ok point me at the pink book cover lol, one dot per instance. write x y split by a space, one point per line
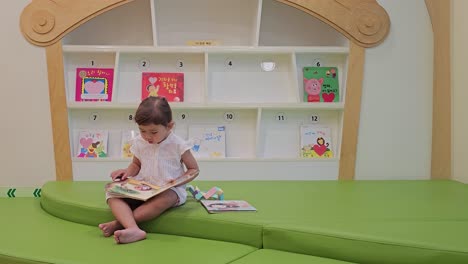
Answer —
94 84
165 84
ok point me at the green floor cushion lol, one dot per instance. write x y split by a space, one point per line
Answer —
296 216
83 202
30 235
380 242
281 257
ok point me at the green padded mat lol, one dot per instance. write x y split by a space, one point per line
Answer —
280 257
30 235
412 221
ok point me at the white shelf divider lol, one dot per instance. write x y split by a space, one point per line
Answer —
258 21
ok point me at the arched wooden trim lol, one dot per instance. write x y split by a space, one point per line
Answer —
351 112
441 160
46 22
43 22
364 22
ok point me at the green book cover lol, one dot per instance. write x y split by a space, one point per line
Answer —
321 84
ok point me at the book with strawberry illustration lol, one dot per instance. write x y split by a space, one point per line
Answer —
316 142
92 143
94 84
165 84
321 84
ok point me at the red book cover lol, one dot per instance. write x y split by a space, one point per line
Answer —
165 84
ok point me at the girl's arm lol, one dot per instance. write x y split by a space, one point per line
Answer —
192 167
190 163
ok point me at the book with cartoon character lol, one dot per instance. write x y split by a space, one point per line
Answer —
127 140
316 142
92 143
209 141
218 206
165 84
94 84
141 190
321 84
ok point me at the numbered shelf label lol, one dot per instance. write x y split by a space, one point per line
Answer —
94 117
229 63
317 63
183 116
229 116
130 117
144 64
180 64
280 117
314 119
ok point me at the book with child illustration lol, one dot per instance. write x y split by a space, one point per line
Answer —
127 140
141 190
94 84
208 141
316 142
321 84
166 84
92 143
219 206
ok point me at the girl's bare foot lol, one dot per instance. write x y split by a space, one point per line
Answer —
129 235
109 228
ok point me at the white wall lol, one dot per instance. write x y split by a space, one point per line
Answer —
396 113
27 157
460 91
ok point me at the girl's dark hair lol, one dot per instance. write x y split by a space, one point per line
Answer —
154 110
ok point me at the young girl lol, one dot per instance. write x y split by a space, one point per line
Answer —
159 157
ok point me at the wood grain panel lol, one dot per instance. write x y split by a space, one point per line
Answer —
441 159
352 112
364 22
59 112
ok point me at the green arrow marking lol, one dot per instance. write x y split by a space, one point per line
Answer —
11 193
37 192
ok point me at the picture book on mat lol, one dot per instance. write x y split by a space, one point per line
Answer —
94 84
127 140
141 190
209 141
219 206
321 84
92 143
165 84
316 142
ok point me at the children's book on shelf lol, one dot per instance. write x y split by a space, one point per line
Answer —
92 143
128 136
219 206
316 142
321 84
94 84
141 190
165 84
209 141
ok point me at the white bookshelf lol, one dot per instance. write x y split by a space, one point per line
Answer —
219 80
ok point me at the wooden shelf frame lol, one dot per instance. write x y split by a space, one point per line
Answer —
44 23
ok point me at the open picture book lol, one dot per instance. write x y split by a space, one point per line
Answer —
218 206
140 190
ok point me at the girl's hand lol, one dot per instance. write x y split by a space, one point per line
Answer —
119 175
